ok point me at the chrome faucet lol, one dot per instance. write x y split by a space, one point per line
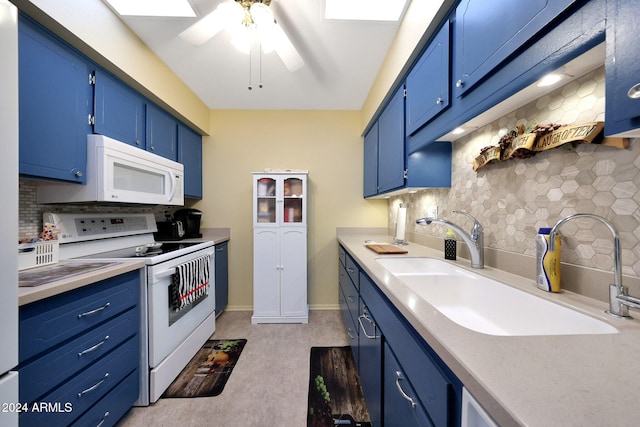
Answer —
619 299
473 240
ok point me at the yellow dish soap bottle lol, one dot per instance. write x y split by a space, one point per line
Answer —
547 262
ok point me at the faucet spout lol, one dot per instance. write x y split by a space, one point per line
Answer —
619 300
473 240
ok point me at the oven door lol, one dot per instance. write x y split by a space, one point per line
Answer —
168 329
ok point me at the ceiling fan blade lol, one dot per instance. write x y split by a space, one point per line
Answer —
285 49
212 23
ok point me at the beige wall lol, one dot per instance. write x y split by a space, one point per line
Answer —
329 145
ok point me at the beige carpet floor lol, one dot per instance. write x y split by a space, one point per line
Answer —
269 384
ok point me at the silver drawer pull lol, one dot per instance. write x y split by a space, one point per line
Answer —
364 331
350 270
351 298
95 386
634 92
404 395
93 348
97 310
104 418
349 334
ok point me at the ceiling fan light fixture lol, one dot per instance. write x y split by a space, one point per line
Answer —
261 15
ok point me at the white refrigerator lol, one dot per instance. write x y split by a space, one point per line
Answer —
9 220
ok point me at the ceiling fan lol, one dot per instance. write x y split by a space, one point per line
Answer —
240 18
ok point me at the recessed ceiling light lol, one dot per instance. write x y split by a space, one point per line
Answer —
364 10
178 8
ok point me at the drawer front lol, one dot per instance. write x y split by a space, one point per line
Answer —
352 332
341 255
46 323
350 293
53 368
113 406
353 271
86 388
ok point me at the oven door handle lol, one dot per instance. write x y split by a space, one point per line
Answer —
165 273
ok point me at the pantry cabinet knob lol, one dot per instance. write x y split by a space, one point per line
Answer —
634 92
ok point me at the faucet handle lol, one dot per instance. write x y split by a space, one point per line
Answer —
477 227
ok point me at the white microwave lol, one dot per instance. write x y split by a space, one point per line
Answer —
121 173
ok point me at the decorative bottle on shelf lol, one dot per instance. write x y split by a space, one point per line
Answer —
450 244
547 262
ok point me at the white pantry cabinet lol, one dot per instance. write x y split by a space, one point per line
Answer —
280 248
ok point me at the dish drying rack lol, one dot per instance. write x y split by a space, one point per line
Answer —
37 254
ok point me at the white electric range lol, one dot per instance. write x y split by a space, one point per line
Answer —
169 337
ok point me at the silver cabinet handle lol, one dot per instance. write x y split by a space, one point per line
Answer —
364 331
350 270
459 83
94 347
349 334
104 418
351 299
404 395
634 92
95 386
97 310
439 101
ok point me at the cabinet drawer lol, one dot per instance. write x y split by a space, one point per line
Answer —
353 271
46 323
85 389
350 293
351 328
54 367
341 255
113 406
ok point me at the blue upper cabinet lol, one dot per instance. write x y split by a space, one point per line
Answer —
428 83
371 161
161 133
391 133
55 104
190 155
118 110
622 69
488 31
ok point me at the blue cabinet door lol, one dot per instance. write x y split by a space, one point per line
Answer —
622 68
190 155
371 161
401 404
391 144
222 276
488 31
370 344
428 82
118 110
55 103
161 133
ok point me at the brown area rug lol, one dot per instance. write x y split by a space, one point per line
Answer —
335 393
208 371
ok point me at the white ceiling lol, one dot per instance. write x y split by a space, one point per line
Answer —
342 59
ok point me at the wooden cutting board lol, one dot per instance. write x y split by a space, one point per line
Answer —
383 248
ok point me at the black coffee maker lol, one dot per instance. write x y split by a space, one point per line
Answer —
190 219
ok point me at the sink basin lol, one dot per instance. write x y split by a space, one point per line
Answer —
487 306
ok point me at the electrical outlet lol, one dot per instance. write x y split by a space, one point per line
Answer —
432 211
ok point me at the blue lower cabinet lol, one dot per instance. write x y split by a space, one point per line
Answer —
222 277
80 353
395 362
401 404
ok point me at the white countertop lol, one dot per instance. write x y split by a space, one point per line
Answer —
570 380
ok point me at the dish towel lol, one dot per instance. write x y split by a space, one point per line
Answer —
190 282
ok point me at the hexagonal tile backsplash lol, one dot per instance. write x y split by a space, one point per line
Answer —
512 199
